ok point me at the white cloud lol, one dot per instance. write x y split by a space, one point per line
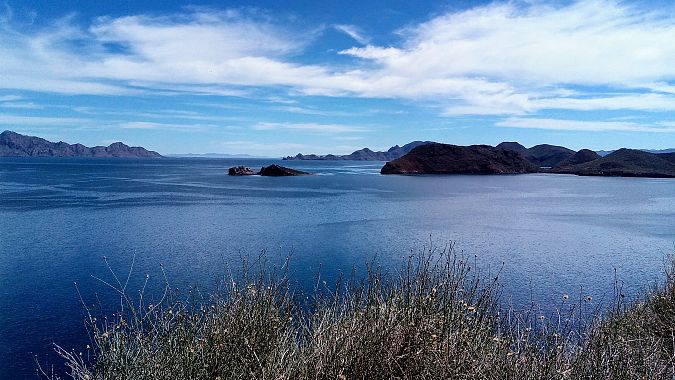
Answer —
582 126
588 42
281 148
642 102
165 126
10 98
530 49
21 105
310 127
503 58
352 31
8 119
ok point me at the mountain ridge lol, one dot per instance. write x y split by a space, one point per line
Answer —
14 144
438 158
626 162
365 154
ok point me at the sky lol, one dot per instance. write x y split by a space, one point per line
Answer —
276 78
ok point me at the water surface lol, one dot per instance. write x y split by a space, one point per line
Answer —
554 234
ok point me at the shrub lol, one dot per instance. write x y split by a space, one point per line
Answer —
435 319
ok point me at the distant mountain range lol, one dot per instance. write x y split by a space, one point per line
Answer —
364 154
13 144
214 155
417 157
656 151
543 155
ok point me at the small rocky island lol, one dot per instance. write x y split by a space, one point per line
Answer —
13 144
240 170
273 170
438 158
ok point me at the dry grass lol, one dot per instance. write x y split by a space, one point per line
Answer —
436 319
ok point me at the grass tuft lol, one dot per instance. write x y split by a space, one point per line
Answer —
435 319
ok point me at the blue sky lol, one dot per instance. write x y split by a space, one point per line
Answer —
277 78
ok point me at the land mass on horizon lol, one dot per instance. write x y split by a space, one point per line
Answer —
513 158
365 154
13 144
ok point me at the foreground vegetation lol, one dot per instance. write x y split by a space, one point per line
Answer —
435 319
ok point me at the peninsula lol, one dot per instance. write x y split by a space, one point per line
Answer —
513 158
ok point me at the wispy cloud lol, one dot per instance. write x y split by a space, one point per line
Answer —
583 126
281 148
352 31
165 126
10 98
8 119
21 105
310 127
509 58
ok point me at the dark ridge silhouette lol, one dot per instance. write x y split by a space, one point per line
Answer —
452 159
364 154
13 144
580 157
626 163
275 170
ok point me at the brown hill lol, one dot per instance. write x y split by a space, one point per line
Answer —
580 157
543 155
626 163
437 158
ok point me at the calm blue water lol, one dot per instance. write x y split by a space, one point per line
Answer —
58 217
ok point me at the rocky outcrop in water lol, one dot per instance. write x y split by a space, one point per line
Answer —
240 170
452 159
13 144
275 170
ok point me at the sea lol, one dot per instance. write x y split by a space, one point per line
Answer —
70 228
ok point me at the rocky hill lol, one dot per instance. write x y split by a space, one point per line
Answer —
626 163
364 154
437 158
580 157
513 146
543 155
13 144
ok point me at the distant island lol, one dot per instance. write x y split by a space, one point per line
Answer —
213 155
13 144
658 151
364 154
513 158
